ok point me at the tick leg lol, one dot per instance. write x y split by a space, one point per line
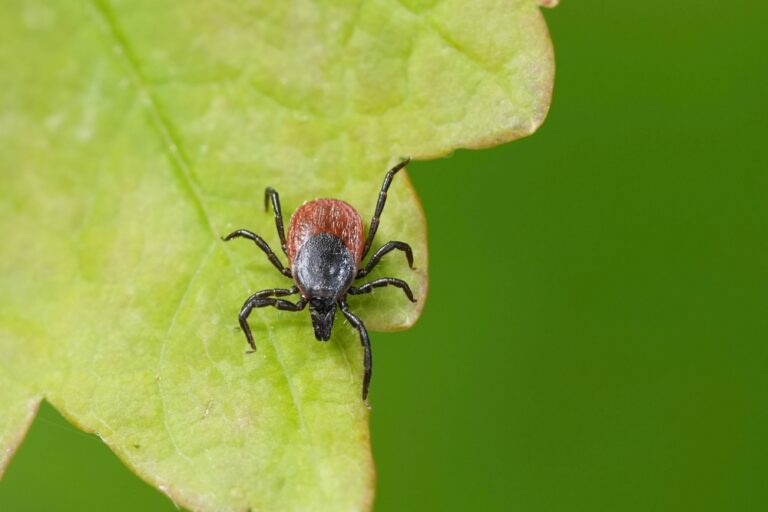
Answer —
262 299
364 341
388 247
380 204
378 283
271 193
244 233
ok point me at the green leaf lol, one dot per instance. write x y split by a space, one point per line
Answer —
134 134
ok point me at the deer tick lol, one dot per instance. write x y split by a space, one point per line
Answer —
326 245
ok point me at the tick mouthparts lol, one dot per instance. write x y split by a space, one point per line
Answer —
322 335
322 321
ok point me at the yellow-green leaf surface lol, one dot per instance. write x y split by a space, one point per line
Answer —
134 133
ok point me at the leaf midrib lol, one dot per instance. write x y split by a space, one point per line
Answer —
179 162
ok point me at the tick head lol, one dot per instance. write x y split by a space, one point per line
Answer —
322 311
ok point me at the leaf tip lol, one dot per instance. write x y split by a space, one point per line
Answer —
16 432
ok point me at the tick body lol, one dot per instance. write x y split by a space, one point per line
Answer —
326 246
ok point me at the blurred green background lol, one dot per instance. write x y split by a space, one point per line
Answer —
595 335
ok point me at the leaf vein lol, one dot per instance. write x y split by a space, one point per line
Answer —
182 301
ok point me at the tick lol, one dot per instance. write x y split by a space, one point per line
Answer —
326 245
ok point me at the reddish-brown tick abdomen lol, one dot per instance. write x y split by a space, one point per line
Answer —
326 216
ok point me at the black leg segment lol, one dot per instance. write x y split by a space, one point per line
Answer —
388 247
244 233
378 283
364 341
380 204
261 299
271 193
